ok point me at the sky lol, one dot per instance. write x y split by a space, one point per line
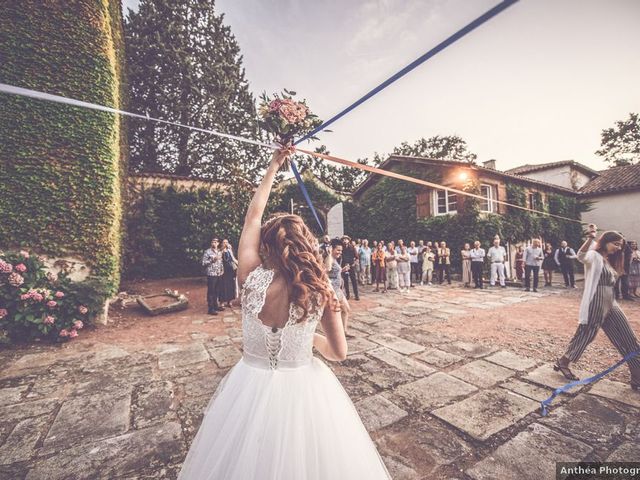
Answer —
537 83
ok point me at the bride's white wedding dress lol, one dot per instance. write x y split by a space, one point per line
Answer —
280 413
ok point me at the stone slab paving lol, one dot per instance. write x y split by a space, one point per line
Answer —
114 457
481 373
618 391
530 455
433 391
437 407
177 355
512 361
398 344
439 358
529 390
628 451
377 412
467 349
589 419
546 376
487 412
401 362
225 356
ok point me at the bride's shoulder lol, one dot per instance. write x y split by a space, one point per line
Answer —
256 275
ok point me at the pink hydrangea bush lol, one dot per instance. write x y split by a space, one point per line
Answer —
37 305
286 118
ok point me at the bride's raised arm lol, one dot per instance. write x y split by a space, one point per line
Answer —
249 245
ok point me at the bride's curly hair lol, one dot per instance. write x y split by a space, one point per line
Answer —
289 245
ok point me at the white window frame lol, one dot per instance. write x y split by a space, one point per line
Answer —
490 198
447 195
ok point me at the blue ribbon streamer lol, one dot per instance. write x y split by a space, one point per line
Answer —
546 403
435 50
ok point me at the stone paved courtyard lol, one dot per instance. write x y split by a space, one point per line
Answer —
436 404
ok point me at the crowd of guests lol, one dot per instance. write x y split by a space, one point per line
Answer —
393 265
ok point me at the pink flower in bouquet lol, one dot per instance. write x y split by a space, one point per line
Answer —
52 303
64 332
78 324
21 267
15 279
24 253
5 267
3 312
82 309
49 319
73 334
59 295
274 105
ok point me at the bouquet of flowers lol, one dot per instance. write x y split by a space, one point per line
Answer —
286 118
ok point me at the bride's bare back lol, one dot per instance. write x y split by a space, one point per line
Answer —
275 311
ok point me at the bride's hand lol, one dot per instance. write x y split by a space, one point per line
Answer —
280 156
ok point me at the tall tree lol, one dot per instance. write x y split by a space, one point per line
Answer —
621 144
445 147
184 65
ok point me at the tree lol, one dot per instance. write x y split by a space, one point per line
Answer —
184 65
621 144
445 147
340 178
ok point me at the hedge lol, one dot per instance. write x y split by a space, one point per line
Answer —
62 167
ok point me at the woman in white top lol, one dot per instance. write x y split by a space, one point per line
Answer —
404 269
603 261
280 413
392 267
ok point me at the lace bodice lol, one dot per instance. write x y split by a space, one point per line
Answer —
289 346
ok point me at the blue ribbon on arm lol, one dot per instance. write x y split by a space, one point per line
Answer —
435 50
546 403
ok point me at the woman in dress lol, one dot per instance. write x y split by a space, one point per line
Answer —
392 267
603 261
280 413
378 258
548 265
466 265
335 271
228 292
634 270
520 263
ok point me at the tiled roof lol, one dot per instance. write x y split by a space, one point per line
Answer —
446 163
524 169
615 179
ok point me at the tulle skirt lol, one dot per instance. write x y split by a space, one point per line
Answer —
285 424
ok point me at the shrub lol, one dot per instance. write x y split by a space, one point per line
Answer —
36 304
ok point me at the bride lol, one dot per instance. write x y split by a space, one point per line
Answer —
280 413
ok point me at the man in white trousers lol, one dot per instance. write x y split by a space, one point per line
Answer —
497 256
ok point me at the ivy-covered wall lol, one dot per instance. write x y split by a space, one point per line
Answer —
62 167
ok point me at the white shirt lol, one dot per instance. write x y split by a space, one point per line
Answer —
477 255
533 256
497 254
413 254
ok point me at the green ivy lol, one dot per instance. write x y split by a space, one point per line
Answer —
168 229
62 167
